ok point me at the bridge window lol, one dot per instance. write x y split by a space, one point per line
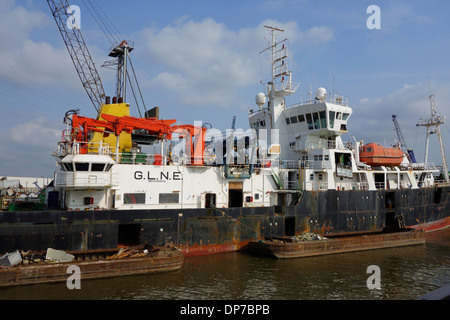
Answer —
316 120
98 166
309 121
68 166
81 166
323 119
332 114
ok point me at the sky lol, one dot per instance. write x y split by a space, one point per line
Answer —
200 60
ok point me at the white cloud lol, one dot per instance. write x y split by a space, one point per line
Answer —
38 132
26 147
317 35
206 64
396 15
16 22
25 61
372 118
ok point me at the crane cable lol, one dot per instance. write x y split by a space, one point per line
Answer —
104 23
114 37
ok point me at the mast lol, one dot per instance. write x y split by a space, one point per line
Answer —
122 54
281 82
435 121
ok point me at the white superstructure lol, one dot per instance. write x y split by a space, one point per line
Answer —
298 148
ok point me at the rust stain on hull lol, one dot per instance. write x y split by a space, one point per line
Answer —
433 226
201 249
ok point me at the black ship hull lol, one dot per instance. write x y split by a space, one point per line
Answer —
216 230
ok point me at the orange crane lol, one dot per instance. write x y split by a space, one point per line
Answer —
194 136
83 127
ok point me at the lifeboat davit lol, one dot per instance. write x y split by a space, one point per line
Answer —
375 155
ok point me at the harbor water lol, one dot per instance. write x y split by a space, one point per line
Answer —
405 273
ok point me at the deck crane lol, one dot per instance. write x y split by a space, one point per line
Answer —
410 152
78 52
114 118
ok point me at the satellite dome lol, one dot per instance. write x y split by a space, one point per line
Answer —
260 99
321 94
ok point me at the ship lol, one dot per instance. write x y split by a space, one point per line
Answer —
208 192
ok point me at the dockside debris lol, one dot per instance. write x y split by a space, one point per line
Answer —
50 256
30 267
308 236
10 259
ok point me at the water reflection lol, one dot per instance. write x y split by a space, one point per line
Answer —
406 273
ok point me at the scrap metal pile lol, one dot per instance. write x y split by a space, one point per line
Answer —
59 256
31 257
127 252
308 236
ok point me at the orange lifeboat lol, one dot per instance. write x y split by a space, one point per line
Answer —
375 155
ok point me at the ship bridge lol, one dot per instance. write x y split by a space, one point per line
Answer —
318 118
313 124
317 124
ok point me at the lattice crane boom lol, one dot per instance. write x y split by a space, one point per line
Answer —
398 131
410 152
78 52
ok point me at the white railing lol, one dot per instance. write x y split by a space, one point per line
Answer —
65 148
339 100
132 157
302 164
419 166
285 86
86 179
326 144
312 185
344 171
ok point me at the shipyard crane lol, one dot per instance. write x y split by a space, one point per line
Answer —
78 51
410 152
